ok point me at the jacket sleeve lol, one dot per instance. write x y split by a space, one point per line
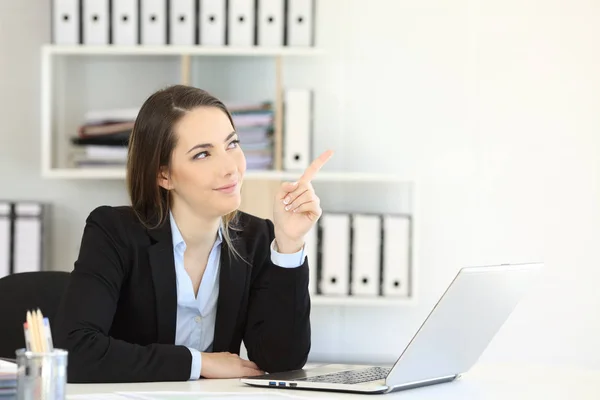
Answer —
277 335
84 318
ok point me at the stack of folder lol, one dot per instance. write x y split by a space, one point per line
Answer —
103 137
8 379
254 125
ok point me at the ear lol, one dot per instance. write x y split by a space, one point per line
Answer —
164 178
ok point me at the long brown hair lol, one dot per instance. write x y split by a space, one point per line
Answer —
150 147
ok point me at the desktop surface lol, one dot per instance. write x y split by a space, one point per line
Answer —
484 381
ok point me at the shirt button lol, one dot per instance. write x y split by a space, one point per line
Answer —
198 319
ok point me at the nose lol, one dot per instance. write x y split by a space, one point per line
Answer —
228 165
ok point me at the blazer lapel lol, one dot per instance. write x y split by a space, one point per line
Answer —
232 284
162 265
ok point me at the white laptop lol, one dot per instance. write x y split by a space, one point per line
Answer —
451 339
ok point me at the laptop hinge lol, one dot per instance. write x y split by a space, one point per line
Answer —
416 384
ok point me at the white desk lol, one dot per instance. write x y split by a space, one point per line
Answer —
499 381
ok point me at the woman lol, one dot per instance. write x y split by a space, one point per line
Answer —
167 289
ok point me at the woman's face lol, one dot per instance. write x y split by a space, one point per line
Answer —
207 164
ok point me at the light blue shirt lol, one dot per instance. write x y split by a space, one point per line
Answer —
196 314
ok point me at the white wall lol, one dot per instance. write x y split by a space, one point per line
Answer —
490 105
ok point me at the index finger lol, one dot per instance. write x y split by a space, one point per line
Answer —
315 166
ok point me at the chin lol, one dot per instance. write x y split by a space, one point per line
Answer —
228 206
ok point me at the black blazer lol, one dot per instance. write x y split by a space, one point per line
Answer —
118 315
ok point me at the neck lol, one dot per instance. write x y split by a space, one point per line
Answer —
198 231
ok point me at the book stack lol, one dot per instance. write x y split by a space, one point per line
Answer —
8 379
254 124
103 137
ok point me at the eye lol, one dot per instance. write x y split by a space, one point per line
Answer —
202 154
233 144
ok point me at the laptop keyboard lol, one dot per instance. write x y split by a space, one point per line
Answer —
351 377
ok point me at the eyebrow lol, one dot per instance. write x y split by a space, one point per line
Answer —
209 145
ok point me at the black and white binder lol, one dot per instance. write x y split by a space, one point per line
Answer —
28 237
366 254
270 23
153 21
125 22
335 254
300 23
297 129
396 255
211 22
241 20
5 238
66 22
182 22
95 21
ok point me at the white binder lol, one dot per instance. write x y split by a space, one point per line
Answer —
95 21
335 252
366 254
153 21
5 239
300 23
241 20
270 23
28 237
211 22
396 255
297 129
125 22
311 251
182 22
65 21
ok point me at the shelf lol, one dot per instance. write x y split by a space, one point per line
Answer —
322 176
350 301
179 50
85 173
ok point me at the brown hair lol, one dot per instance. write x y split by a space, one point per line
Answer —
151 145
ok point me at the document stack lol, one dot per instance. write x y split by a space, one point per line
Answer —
22 236
254 125
103 137
239 23
8 379
362 254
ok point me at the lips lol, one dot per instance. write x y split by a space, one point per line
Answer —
229 186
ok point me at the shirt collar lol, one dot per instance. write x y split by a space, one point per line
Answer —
179 243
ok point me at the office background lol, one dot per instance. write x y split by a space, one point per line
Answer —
490 106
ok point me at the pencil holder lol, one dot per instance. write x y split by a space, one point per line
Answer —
41 376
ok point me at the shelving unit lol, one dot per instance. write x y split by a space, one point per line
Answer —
71 81
179 50
355 301
251 175
55 57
